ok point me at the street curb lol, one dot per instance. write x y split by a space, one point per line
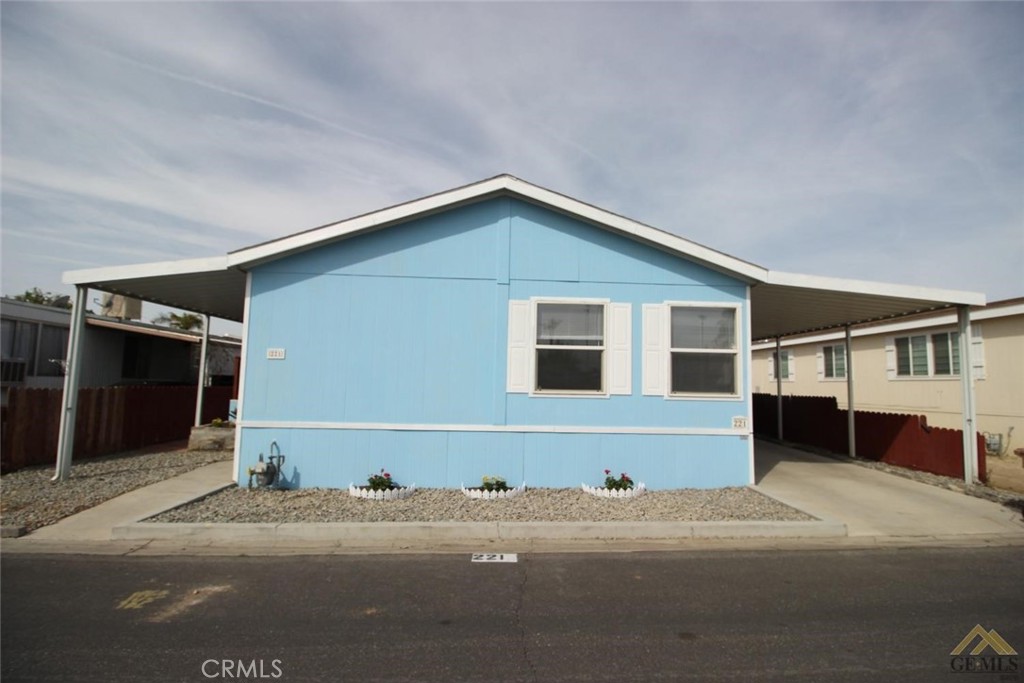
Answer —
12 531
362 532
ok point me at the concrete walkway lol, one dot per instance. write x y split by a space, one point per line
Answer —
874 503
858 506
95 524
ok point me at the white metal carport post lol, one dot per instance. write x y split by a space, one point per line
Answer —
778 383
963 314
851 431
69 401
201 382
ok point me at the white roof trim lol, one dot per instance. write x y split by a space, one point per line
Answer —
505 183
141 270
944 296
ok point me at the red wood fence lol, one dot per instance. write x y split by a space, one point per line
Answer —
903 440
109 420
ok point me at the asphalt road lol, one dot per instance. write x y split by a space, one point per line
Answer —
733 616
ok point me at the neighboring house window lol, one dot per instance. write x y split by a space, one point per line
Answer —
923 355
785 363
569 347
946 353
835 361
19 349
53 348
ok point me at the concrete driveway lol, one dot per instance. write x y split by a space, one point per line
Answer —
874 503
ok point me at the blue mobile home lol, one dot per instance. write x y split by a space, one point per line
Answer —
497 329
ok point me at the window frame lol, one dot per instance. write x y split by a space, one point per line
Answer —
737 352
952 346
535 304
828 350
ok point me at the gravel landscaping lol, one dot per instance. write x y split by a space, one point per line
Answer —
29 499
450 505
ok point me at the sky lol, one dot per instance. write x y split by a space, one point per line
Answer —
878 141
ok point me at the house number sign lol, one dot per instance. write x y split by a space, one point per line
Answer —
275 354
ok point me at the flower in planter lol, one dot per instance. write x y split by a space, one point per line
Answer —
622 482
493 484
382 482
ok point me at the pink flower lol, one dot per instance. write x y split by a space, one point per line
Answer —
387 475
607 471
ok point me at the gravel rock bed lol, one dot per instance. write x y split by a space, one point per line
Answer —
450 505
29 499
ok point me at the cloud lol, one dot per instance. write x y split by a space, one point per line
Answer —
862 140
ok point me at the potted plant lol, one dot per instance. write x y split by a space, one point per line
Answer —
381 486
493 488
621 486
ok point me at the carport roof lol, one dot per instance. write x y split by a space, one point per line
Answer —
781 303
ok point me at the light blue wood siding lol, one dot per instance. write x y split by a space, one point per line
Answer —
406 325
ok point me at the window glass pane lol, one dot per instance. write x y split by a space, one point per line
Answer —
53 345
830 368
703 328
705 373
568 370
940 349
903 356
7 338
22 346
919 354
956 353
784 365
840 361
570 324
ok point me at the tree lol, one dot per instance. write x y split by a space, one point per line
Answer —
37 296
181 321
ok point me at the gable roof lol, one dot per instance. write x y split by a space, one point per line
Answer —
782 303
502 185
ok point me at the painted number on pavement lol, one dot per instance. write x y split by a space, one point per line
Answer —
495 557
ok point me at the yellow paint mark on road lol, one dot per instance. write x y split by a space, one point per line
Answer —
189 600
140 599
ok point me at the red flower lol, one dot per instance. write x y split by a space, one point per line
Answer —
607 471
387 475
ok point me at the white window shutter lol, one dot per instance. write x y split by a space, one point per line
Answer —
977 352
519 347
620 357
821 364
890 357
791 365
771 366
655 360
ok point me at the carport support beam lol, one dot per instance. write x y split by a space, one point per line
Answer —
201 381
778 384
963 314
69 401
851 430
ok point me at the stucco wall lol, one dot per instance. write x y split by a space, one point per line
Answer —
999 394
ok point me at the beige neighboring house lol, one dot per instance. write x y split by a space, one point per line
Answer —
912 366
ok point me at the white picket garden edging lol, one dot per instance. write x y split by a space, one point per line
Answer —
370 494
601 492
493 495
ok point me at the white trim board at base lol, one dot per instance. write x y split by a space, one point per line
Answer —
530 429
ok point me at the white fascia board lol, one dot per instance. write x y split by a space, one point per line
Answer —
883 289
935 321
310 238
143 270
678 245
